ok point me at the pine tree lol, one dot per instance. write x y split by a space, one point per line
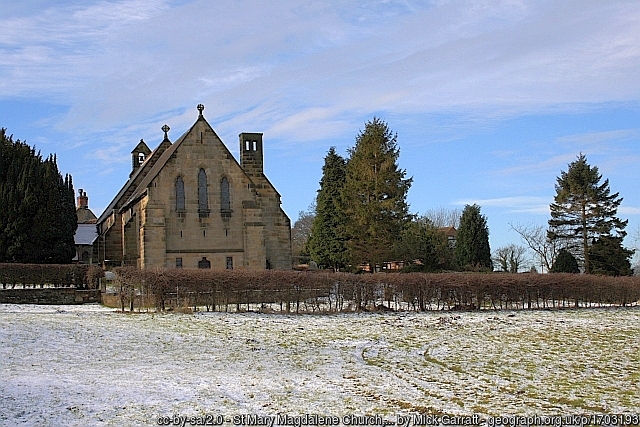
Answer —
374 195
608 256
327 242
565 262
584 210
472 241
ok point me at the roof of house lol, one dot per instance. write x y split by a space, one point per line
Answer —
86 234
448 231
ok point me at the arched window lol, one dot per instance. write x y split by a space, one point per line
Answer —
180 194
203 200
225 198
204 263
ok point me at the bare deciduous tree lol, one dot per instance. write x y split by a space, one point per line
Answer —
536 239
510 258
301 231
444 217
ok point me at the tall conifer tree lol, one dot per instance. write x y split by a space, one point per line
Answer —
327 242
374 195
38 216
584 210
472 240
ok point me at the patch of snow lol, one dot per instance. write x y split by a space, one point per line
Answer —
90 365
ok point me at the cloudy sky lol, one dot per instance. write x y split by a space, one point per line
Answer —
491 99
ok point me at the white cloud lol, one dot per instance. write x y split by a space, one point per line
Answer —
554 163
517 204
628 210
290 67
599 137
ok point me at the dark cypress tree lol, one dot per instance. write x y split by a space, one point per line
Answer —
584 210
327 242
472 241
565 262
38 219
374 195
18 181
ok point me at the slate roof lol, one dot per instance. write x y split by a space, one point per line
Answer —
132 179
86 234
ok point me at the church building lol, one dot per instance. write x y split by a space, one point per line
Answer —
190 204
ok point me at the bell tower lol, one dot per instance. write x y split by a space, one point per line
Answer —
139 155
251 153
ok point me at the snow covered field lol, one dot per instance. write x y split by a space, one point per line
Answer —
92 366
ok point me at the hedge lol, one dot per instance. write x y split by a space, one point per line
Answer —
287 291
56 275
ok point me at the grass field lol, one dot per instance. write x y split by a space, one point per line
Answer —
89 365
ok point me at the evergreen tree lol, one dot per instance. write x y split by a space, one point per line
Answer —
38 216
422 247
327 242
584 209
472 241
565 262
374 195
608 256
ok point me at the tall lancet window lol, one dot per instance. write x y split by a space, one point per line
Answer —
225 198
179 194
203 200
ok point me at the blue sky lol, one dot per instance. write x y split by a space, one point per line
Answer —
491 99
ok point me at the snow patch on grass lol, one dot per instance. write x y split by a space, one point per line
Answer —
89 365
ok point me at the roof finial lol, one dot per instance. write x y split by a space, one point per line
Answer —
166 129
201 109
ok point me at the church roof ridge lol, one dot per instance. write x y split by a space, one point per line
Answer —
139 171
153 172
162 160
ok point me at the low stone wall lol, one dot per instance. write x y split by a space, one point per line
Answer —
49 296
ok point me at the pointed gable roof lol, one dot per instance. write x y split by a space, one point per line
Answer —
142 147
136 177
141 189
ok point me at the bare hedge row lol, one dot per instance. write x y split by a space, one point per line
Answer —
50 275
287 291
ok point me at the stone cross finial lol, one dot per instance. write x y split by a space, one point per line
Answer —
166 129
201 109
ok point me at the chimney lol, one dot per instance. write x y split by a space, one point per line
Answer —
83 200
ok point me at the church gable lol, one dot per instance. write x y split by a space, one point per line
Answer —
204 177
197 206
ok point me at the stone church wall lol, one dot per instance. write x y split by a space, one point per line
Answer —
242 227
